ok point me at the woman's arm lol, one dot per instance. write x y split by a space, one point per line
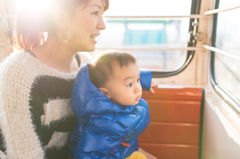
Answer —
2 155
16 122
2 148
17 126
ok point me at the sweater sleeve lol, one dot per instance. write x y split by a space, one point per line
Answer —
2 148
146 78
2 155
100 138
16 122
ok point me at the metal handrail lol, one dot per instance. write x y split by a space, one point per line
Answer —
163 16
226 53
153 49
214 11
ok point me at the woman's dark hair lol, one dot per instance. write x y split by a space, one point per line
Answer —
30 27
102 67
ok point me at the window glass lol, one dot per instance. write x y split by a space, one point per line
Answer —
228 74
149 7
148 34
227 39
226 3
157 60
228 32
144 33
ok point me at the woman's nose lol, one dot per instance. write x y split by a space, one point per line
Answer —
101 24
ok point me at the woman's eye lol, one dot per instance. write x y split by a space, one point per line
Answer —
95 13
129 85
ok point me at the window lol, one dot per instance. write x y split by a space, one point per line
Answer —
149 36
226 74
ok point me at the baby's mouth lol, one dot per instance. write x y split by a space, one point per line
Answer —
138 98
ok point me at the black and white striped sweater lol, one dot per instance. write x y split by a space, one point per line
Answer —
35 113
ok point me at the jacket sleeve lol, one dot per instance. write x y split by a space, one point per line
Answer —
145 119
146 79
100 138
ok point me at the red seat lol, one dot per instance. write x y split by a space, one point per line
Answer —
175 128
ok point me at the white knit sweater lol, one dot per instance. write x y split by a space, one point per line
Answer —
35 113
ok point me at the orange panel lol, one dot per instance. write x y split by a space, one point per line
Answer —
171 133
174 94
168 151
174 111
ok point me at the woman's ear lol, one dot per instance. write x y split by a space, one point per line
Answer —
61 17
104 91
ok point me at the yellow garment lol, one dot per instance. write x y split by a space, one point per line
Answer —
137 155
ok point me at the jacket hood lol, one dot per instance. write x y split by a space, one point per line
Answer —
87 99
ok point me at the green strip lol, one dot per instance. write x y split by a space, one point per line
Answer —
201 124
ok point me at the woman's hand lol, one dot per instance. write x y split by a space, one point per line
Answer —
153 85
148 155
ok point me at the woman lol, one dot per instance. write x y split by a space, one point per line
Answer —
36 83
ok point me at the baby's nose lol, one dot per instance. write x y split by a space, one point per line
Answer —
138 88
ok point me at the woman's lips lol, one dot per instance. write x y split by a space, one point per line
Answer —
94 40
94 37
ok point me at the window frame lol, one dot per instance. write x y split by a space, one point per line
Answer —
227 97
195 9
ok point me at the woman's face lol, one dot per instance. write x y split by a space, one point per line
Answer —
85 25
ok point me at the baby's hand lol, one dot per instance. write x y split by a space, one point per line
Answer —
153 85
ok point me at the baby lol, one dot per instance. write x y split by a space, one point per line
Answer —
111 114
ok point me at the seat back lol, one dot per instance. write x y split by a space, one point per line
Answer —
175 128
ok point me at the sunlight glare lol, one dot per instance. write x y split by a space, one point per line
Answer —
34 4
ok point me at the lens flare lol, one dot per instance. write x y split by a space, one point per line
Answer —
34 4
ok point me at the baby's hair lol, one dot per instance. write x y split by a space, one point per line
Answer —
102 67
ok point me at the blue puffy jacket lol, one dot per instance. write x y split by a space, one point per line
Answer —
103 125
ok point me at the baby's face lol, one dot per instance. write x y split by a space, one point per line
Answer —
124 86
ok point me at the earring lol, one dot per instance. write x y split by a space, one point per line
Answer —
63 40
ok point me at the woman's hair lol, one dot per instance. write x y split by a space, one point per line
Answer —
102 67
31 26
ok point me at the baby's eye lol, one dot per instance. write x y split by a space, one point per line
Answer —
129 85
138 80
95 13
